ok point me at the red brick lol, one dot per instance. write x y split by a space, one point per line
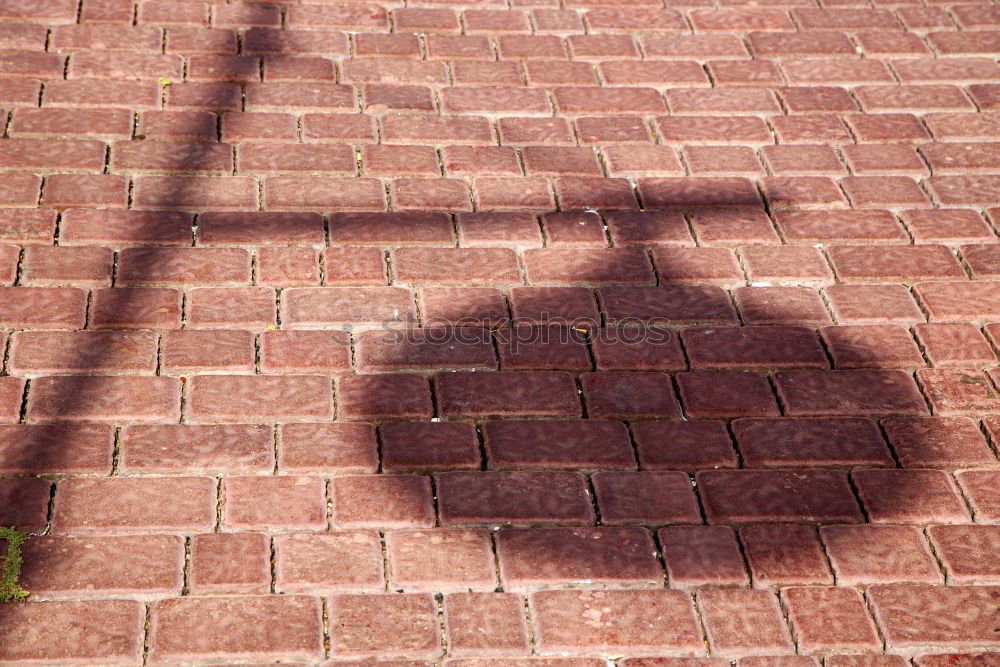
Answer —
747 496
441 559
31 63
420 194
527 444
86 267
530 47
745 73
246 15
800 265
377 397
135 308
459 47
822 100
230 563
288 267
390 625
781 305
156 267
268 41
592 192
107 11
825 44
810 129
25 503
708 192
836 72
882 128
106 38
57 631
492 101
322 306
874 346
601 130
959 300
540 348
28 226
103 93
201 41
236 398
89 567
475 73
535 131
21 92
721 160
964 550
573 229
260 228
197 449
163 12
54 122
696 46
611 266
476 160
629 395
644 228
253 503
782 554
719 394
803 159
270 158
108 398
484 230
883 191
486 624
385 97
912 98
134 505
649 498
981 490
517 498
429 447
672 304
559 305
526 393
699 556
729 227
86 190
873 304
802 192
55 448
828 618
421 20
664 445
983 260
937 442
343 560
939 659
304 351
909 496
295 98
740 19
958 392
776 443
962 126
467 266
847 393
229 307
32 154
876 554
406 228
902 612
337 127
699 266
227 628
754 347
238 127
213 96
108 65
531 558
354 266
349 448
954 344
195 192
116 228
883 160
629 622
69 352
11 392
577 100
727 615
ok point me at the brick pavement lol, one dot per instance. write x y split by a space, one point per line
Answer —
211 211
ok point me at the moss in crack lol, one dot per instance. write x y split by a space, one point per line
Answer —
9 590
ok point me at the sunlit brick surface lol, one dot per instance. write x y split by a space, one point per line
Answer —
501 332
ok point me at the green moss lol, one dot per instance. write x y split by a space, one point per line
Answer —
9 590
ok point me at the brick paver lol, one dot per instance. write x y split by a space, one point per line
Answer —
501 332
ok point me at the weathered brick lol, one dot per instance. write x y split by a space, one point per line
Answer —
933 442
230 563
879 554
629 622
384 396
225 628
173 448
698 556
56 631
25 503
782 554
848 393
683 445
134 505
340 447
611 395
726 613
304 351
338 561
583 444
104 398
54 448
135 308
745 496
254 503
535 557
507 393
650 498
485 623
915 616
873 346
156 267
247 398
429 447
105 565
441 559
909 496
71 352
391 625
722 394
229 307
827 619
516 498
781 443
